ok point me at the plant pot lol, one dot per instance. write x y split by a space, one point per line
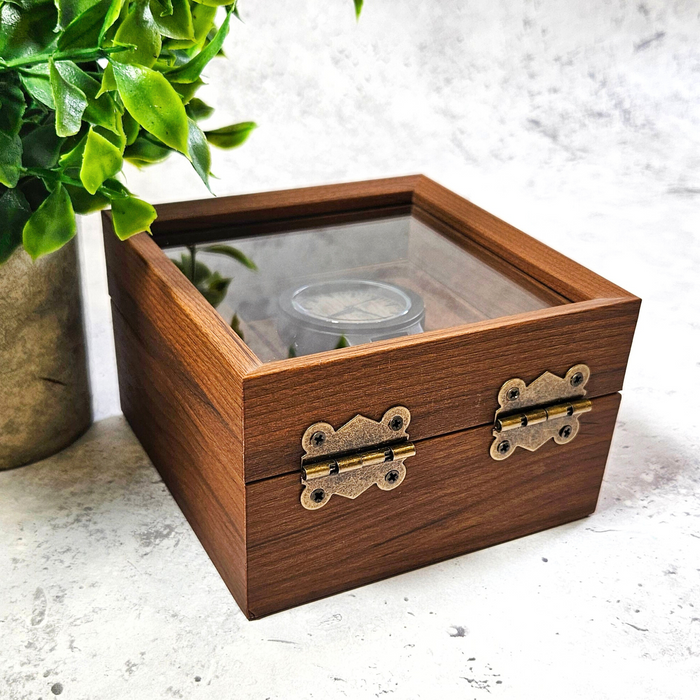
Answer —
44 391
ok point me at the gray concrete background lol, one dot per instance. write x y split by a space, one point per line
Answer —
577 122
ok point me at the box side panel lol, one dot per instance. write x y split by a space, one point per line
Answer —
455 499
192 447
173 319
448 380
180 372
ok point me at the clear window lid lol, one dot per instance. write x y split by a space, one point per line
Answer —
301 292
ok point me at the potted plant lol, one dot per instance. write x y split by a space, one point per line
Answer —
84 87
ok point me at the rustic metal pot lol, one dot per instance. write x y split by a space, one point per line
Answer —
44 391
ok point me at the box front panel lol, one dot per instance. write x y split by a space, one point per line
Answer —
455 499
449 383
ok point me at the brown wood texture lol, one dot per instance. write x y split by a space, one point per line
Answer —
180 373
455 499
245 229
448 379
284 205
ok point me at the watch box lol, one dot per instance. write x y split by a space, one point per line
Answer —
402 379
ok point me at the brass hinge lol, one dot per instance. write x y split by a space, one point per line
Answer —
347 461
531 414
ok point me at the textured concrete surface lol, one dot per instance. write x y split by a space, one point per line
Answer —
44 392
578 123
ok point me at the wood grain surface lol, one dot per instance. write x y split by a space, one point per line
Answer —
455 499
180 381
352 198
448 379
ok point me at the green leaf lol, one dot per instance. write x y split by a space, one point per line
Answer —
131 215
108 81
193 68
214 3
342 343
231 252
358 8
184 264
26 32
197 110
230 136
10 159
130 127
37 83
214 288
41 147
51 226
113 13
85 203
202 20
140 30
199 152
201 273
187 90
114 188
153 103
87 30
117 138
173 18
101 160
29 4
145 152
236 326
165 8
35 191
68 10
12 107
14 213
70 103
102 110
73 158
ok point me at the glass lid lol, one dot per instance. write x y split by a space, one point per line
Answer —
293 293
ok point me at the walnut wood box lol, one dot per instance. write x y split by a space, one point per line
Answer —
224 428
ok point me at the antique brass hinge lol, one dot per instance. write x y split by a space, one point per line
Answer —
531 414
347 461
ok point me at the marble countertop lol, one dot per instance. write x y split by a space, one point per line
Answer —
579 125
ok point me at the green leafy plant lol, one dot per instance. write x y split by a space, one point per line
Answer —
211 285
86 85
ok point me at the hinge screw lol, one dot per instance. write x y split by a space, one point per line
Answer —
318 438
513 394
396 423
577 379
318 495
392 477
565 432
503 447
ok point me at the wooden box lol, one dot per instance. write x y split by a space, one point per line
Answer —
227 423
